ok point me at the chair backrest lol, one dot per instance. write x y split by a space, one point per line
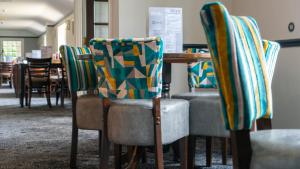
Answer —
81 71
38 69
240 66
129 68
200 74
271 50
6 67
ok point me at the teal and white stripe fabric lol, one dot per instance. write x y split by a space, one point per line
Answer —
271 52
240 66
81 73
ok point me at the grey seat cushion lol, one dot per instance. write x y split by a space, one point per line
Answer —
206 117
276 149
212 93
89 112
130 122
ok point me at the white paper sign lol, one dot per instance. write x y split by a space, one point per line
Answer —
167 23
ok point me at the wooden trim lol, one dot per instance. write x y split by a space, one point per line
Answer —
89 20
285 43
101 23
185 46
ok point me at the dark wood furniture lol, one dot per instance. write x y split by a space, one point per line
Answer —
20 74
38 77
6 73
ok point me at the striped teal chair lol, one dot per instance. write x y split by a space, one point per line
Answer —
244 80
130 75
86 105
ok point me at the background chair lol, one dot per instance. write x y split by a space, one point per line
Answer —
245 90
204 108
6 73
131 69
38 77
86 107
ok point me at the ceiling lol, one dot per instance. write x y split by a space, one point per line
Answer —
32 15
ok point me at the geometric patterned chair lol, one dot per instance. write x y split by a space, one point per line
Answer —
130 75
203 93
244 80
86 105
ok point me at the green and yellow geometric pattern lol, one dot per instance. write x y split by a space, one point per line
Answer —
128 68
200 74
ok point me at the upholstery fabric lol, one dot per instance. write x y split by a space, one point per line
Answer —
275 149
82 73
89 112
200 74
130 122
205 117
129 68
271 52
205 93
240 65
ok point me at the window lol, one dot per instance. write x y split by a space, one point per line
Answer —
61 35
97 18
12 48
101 17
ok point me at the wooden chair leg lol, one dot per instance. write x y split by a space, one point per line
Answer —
74 146
183 153
241 149
118 153
191 151
159 161
224 150
208 151
48 97
100 143
144 155
57 98
29 97
105 142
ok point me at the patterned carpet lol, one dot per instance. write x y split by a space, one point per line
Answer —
39 138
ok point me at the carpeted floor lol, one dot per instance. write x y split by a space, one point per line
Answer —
39 138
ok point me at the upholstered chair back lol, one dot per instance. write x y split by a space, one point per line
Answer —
129 68
239 62
200 74
81 72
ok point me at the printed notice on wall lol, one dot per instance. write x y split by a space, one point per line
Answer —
167 23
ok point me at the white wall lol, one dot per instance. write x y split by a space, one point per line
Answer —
273 17
133 23
16 33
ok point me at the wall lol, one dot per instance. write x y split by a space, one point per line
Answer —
133 23
273 17
51 34
30 44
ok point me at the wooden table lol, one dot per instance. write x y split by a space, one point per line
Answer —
170 58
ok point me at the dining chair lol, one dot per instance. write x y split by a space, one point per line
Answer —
38 77
86 105
244 81
6 73
130 76
203 88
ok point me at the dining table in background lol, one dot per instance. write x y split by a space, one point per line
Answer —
170 58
